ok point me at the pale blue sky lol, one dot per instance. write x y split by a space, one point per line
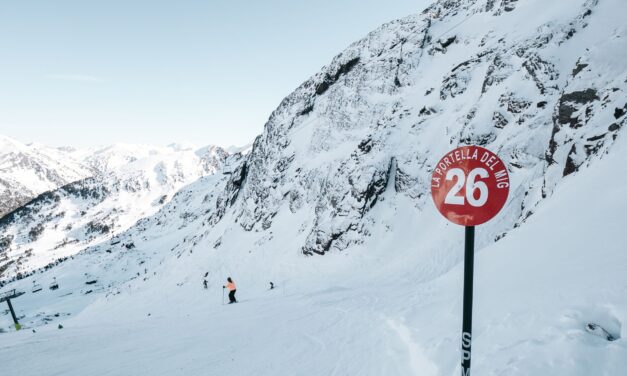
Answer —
87 72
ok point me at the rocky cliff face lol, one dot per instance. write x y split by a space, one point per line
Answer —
540 84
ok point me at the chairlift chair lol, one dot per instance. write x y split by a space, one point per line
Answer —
54 285
36 287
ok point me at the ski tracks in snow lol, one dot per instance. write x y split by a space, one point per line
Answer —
418 361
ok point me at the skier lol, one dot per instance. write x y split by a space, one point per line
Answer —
205 284
271 286
232 289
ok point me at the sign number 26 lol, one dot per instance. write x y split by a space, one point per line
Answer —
472 185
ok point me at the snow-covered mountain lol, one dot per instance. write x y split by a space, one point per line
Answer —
129 183
544 89
342 169
29 170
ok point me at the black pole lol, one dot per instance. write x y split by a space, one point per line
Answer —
469 256
12 312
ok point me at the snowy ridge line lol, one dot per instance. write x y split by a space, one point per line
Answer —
28 170
65 221
9 217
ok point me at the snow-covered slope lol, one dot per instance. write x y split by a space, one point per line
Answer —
367 311
342 170
29 170
132 182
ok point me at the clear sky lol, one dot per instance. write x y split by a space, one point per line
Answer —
87 72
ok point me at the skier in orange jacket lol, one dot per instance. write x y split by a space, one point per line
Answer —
232 289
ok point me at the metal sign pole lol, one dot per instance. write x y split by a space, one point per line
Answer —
469 186
469 255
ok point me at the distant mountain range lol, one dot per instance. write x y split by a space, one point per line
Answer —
83 196
29 170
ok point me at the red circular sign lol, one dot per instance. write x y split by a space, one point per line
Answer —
470 185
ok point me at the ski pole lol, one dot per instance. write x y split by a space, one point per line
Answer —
222 295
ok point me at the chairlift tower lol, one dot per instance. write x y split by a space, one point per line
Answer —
6 297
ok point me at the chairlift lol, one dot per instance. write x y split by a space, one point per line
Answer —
36 287
54 285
